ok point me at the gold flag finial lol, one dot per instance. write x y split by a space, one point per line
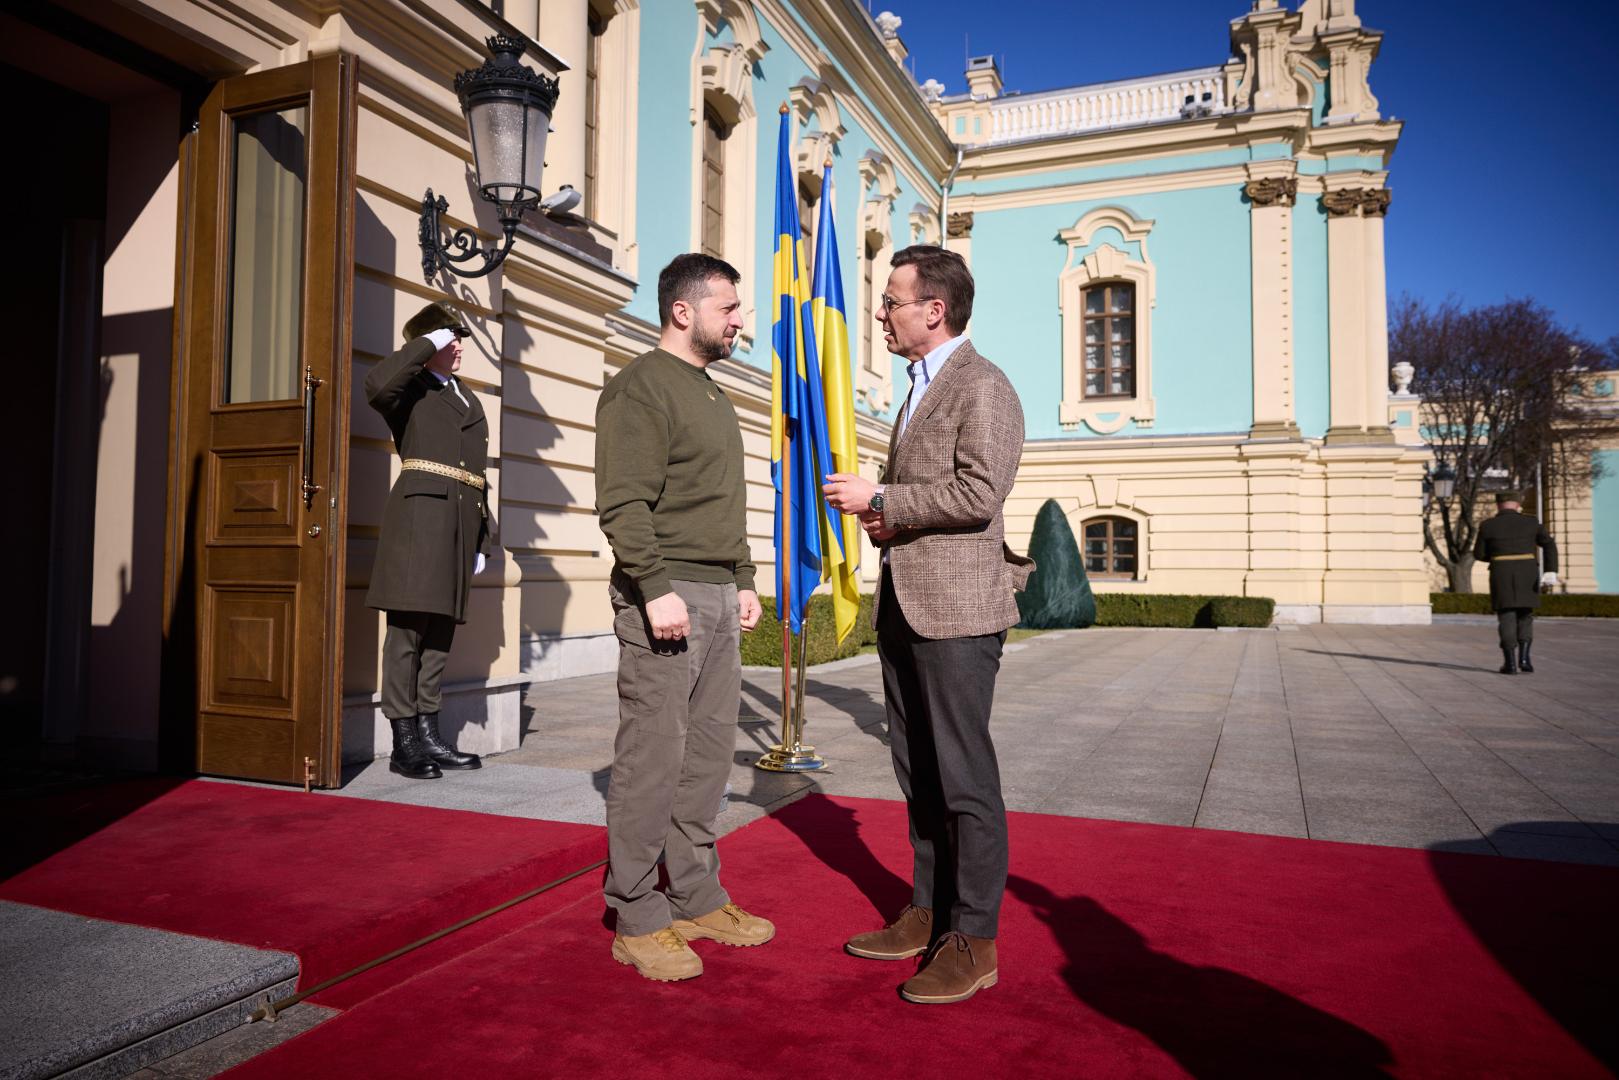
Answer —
784 108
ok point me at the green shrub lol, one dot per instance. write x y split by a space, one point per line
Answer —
762 644
1451 603
1557 605
1242 610
1143 609
1058 595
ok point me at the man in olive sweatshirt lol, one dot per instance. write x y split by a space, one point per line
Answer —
670 494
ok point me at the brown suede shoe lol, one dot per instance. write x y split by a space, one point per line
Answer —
728 924
958 967
905 937
662 956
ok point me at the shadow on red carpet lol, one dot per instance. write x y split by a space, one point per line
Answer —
338 881
1126 950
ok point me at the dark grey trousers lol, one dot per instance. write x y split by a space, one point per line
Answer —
414 653
677 708
939 693
1517 624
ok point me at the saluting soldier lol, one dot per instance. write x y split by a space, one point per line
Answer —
1508 542
435 531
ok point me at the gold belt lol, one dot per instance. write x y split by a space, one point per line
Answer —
1504 558
470 479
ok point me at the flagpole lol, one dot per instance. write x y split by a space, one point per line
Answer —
789 755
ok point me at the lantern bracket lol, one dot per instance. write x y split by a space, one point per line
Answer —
462 246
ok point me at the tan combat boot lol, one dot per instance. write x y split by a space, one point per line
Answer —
662 955
958 967
906 936
728 924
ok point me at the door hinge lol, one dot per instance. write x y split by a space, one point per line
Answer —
309 774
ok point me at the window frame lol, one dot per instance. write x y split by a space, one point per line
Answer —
1110 539
1108 244
1107 317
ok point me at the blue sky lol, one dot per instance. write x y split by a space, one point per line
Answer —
1506 180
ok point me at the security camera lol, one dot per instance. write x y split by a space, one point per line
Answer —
562 202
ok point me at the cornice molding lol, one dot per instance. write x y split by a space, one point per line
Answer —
860 51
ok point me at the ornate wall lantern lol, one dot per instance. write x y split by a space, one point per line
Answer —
508 108
1444 481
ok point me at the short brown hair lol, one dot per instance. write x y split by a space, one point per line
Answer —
686 278
943 275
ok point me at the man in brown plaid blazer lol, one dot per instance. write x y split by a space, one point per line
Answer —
943 609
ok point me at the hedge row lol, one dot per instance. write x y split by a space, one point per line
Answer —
1564 605
1139 609
762 644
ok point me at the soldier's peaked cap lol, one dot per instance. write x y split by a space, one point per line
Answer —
1509 496
435 316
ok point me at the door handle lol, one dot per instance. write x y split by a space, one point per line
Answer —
310 487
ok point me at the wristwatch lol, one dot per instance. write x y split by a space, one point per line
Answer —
877 501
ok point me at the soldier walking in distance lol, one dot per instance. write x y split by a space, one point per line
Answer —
435 531
1508 542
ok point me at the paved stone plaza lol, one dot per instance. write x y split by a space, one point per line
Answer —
1383 735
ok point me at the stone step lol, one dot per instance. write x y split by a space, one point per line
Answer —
88 999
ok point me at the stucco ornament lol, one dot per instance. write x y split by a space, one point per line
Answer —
932 89
1272 191
889 24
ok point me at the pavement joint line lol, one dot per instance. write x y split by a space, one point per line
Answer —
1475 740
1417 754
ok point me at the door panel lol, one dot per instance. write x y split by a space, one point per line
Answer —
262 433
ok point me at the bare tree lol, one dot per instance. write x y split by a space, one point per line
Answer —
1500 388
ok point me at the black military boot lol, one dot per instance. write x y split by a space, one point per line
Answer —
410 757
447 756
1509 662
1523 659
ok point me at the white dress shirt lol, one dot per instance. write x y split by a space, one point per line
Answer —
922 373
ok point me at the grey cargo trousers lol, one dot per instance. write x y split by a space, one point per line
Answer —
677 710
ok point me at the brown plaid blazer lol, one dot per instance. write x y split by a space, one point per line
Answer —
946 480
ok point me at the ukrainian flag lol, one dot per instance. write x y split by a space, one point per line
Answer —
842 565
800 455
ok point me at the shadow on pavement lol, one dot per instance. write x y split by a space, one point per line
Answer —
1212 1021
1397 660
1551 926
831 832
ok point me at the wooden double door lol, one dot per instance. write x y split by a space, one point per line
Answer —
254 630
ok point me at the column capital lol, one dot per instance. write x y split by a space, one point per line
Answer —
960 225
1374 202
1272 191
1344 202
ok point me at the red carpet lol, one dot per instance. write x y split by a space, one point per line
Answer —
1126 950
338 881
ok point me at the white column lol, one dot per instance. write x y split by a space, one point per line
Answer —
1271 194
564 28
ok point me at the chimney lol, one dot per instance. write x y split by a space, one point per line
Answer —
983 78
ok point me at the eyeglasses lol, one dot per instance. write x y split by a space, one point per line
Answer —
889 303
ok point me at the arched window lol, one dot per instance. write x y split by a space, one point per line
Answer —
1110 339
1112 548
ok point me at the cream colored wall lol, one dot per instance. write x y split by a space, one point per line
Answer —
1329 534
137 308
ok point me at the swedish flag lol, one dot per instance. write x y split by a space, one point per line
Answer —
799 451
842 564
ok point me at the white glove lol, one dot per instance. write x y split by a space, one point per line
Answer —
1548 579
441 338
478 563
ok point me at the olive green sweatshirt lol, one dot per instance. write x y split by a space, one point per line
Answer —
669 487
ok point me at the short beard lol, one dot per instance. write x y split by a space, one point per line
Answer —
709 348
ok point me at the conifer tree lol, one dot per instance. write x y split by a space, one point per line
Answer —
1059 594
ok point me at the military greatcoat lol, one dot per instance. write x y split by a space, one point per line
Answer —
1514 582
433 525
